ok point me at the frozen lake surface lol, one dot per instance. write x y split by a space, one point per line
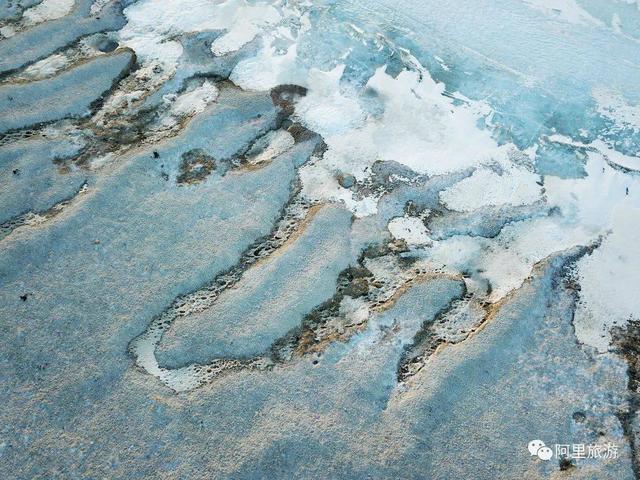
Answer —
319 239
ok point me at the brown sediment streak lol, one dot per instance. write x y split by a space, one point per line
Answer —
626 342
437 344
491 310
143 347
294 218
302 226
308 342
34 219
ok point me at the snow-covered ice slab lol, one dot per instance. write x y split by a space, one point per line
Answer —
285 239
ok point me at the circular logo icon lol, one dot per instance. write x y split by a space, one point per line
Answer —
545 453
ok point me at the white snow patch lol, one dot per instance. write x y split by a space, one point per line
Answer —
319 183
613 106
268 69
325 109
354 310
7 31
194 101
612 155
609 280
605 203
410 229
626 161
243 27
97 6
420 128
515 186
590 201
588 208
506 261
47 10
47 67
234 39
151 23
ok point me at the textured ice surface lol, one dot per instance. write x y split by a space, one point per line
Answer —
46 38
69 94
290 239
270 300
